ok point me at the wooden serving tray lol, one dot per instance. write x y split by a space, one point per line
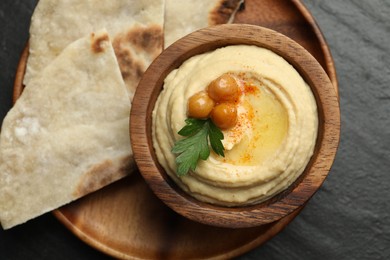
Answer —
126 220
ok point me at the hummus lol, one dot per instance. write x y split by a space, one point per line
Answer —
270 145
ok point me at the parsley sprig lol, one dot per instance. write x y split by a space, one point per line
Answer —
198 133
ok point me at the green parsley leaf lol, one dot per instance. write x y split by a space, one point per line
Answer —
195 146
192 126
216 136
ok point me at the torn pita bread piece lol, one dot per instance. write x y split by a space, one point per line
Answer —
135 28
186 16
68 133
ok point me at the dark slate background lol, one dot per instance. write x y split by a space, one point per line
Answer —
349 218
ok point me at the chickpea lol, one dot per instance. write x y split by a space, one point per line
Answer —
224 115
200 105
224 88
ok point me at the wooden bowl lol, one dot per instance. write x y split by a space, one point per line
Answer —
246 216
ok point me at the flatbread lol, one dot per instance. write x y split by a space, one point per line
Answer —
68 133
135 28
186 16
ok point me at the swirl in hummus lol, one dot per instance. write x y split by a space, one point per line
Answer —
272 141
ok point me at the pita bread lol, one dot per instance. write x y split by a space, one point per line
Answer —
135 28
68 133
186 16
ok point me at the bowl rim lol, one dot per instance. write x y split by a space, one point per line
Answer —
280 205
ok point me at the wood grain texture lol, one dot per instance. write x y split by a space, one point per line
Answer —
210 39
19 75
293 19
126 220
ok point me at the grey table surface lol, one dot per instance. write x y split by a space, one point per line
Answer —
349 218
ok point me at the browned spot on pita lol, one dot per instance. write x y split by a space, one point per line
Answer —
131 68
223 11
97 43
146 39
135 49
103 174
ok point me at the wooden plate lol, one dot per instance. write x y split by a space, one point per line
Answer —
126 220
